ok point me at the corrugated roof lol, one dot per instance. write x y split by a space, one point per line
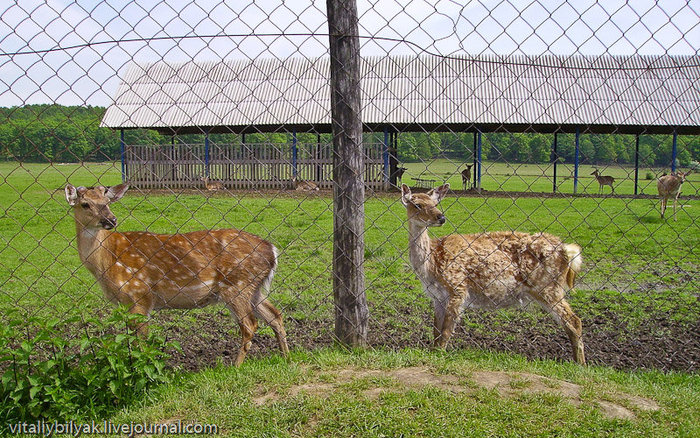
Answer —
516 93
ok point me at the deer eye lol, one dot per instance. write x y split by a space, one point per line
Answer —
85 205
419 206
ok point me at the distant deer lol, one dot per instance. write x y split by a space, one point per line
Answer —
604 181
148 271
212 185
489 270
670 186
304 186
467 175
399 173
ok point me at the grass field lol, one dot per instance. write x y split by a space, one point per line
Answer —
515 177
637 266
637 297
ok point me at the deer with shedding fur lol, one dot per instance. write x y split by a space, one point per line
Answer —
603 180
669 186
489 270
147 271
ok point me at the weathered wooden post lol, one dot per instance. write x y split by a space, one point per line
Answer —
351 312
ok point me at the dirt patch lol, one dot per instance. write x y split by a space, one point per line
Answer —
506 384
662 343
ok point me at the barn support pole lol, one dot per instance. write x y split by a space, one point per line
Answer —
674 153
385 156
393 157
473 179
351 310
206 154
173 171
478 160
636 163
295 154
319 155
122 153
554 162
576 160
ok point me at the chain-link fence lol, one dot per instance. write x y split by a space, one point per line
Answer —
543 116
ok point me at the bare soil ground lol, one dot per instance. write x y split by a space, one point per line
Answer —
661 343
507 384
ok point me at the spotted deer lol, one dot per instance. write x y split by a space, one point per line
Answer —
489 270
212 185
304 186
669 186
148 271
603 181
467 175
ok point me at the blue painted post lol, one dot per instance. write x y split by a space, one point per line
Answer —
478 160
473 180
636 164
206 154
674 154
555 158
576 161
294 153
385 154
122 150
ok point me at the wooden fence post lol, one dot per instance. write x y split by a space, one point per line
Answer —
351 311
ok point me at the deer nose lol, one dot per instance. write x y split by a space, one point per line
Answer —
109 223
441 219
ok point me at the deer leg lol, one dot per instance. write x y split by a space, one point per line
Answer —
440 307
242 308
452 314
141 304
674 204
560 309
663 206
272 316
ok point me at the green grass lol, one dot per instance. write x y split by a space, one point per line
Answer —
627 247
334 393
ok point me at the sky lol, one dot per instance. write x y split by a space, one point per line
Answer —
73 52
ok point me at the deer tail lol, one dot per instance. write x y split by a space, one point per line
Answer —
573 254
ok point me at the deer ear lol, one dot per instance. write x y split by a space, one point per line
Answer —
405 194
439 193
115 193
71 195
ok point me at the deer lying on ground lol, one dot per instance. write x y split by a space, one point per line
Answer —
670 186
489 270
603 181
212 185
467 176
148 271
304 186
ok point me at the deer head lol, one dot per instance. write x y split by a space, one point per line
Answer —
422 207
91 204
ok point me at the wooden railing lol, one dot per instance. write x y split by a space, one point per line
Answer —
242 166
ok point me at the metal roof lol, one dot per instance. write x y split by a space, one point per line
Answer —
630 94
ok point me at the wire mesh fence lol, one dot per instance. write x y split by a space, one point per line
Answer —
543 117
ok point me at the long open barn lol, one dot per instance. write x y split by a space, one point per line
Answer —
545 94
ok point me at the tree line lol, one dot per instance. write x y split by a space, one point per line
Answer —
56 133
